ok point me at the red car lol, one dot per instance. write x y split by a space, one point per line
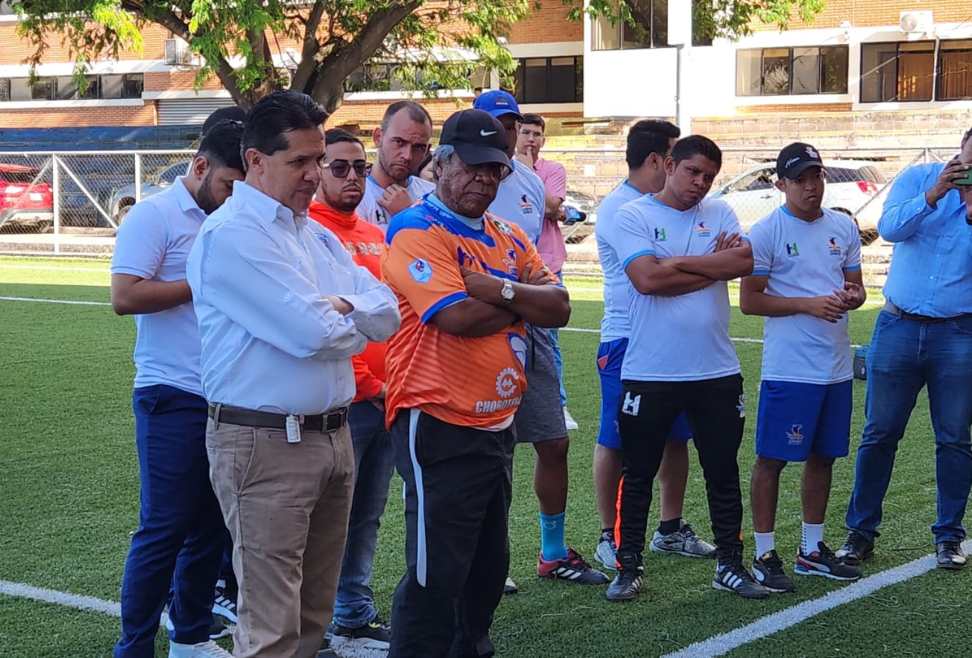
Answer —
22 200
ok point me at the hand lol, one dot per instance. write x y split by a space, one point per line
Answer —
527 157
826 307
730 241
484 287
853 295
395 199
539 278
340 305
954 170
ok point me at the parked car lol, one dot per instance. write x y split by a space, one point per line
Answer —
123 198
25 200
851 185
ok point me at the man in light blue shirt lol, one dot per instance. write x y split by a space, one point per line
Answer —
180 537
281 309
922 337
649 143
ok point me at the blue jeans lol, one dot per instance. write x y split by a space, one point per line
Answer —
374 459
180 534
905 356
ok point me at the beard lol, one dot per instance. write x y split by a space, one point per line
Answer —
204 197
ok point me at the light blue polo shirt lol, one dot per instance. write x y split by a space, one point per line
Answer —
521 200
614 324
682 337
805 259
153 243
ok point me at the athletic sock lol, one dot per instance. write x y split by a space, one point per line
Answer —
552 545
670 526
813 534
765 542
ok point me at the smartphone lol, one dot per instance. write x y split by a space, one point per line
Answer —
966 180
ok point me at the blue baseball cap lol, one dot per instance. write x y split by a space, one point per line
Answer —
498 103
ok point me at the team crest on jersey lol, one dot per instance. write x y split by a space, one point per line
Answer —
525 205
703 230
660 234
509 259
502 227
519 347
506 382
795 435
792 249
420 270
833 246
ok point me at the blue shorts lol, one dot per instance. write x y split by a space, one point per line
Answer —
795 419
610 355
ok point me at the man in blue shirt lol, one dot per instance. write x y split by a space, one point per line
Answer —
923 337
180 534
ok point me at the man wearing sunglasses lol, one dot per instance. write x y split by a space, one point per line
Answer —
356 620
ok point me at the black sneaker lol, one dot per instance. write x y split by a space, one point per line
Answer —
768 572
855 550
573 569
373 635
625 585
224 607
950 555
824 562
733 577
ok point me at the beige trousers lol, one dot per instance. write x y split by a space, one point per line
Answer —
286 506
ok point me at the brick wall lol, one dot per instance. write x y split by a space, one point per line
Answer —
869 13
366 115
547 24
14 49
143 115
180 80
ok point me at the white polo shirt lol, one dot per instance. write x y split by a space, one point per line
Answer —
615 323
805 259
521 200
153 243
682 337
368 208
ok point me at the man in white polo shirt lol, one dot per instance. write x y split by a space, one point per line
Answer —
180 536
679 249
806 277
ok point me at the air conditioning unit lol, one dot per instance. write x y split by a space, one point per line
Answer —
915 22
177 52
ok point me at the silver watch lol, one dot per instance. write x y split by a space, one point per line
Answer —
507 293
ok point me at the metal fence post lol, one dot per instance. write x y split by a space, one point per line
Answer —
56 163
138 177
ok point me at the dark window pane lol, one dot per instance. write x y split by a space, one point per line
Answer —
659 23
806 70
639 34
878 72
560 83
19 89
4 89
955 70
42 89
579 79
833 70
111 86
776 71
747 72
534 80
916 63
132 85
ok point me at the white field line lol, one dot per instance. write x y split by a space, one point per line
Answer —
53 301
723 644
48 268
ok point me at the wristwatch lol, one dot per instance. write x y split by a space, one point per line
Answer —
507 292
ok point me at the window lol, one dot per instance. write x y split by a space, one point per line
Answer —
550 80
954 70
897 71
650 28
128 85
785 71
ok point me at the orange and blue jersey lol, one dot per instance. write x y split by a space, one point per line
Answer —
473 382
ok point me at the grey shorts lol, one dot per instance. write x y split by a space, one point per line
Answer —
540 416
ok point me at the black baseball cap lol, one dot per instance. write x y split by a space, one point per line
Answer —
477 137
796 159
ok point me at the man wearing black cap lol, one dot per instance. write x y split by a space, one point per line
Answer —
806 276
466 283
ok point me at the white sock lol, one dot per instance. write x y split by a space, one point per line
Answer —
765 542
813 534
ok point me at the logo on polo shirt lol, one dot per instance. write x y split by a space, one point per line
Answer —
420 270
795 435
703 230
506 382
525 205
660 234
834 247
792 249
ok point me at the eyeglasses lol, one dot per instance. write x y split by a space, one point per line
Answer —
341 168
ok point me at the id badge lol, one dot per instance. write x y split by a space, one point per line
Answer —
293 429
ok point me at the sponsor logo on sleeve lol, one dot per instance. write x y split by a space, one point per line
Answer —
420 270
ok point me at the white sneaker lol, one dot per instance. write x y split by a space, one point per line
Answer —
510 587
201 650
569 421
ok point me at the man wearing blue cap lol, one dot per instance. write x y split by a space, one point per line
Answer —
540 418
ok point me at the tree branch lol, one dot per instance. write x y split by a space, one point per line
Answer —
310 47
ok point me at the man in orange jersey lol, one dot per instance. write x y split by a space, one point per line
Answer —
466 282
356 619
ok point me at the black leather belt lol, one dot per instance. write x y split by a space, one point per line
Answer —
894 310
329 422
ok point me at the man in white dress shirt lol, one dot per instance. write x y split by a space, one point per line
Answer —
282 309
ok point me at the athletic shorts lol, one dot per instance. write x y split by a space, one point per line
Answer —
796 419
609 358
540 416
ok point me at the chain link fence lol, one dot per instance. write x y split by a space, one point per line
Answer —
73 202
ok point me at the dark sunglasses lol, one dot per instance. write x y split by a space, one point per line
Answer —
341 168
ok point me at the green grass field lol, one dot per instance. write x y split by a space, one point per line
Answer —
69 501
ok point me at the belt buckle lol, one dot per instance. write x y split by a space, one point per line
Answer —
337 416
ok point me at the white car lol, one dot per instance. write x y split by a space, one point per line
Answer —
851 186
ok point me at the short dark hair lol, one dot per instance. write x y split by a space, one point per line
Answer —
416 112
649 136
693 145
221 144
340 135
276 114
231 113
534 120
